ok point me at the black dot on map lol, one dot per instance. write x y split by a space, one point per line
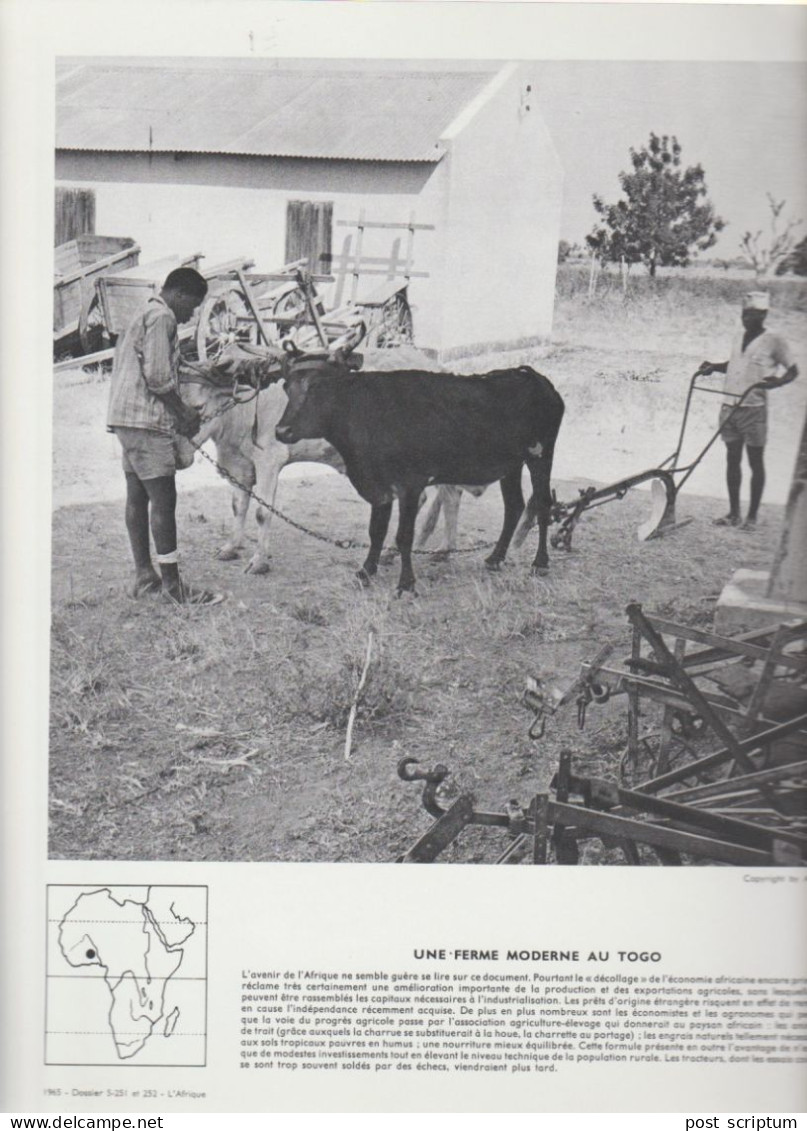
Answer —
91 954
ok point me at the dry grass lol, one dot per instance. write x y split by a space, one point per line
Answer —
218 734
678 289
676 311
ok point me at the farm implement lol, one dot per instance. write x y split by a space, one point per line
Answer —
666 481
256 311
98 297
243 308
743 803
121 295
78 265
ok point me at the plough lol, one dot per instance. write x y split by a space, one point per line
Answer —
666 481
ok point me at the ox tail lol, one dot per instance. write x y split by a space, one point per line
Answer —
529 516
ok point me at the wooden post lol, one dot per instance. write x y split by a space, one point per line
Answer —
354 289
788 579
341 271
410 247
394 259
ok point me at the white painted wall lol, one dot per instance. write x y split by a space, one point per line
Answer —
504 187
495 200
226 207
222 223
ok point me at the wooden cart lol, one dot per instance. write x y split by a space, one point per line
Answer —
265 309
78 264
119 297
249 308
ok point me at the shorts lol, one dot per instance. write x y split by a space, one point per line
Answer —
153 455
748 424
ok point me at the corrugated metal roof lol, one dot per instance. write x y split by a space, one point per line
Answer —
366 116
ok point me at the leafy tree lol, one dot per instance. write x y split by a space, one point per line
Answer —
664 214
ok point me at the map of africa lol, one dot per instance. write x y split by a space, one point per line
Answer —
126 975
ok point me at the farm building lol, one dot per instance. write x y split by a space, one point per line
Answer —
246 157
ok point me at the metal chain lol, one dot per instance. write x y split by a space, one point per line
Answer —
341 543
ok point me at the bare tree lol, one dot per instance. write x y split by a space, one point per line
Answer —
764 250
796 261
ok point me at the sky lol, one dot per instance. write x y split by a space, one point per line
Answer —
745 123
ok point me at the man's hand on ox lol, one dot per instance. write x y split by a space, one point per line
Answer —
187 421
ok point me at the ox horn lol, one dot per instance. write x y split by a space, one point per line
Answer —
348 341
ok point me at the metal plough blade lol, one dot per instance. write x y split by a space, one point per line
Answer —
662 511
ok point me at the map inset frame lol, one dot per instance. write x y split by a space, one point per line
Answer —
126 975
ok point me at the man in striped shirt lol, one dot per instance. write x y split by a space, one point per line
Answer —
150 419
759 357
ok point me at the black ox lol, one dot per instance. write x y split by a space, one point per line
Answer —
399 432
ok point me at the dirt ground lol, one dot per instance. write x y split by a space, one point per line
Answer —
218 734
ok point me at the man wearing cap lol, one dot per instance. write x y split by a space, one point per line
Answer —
150 419
758 357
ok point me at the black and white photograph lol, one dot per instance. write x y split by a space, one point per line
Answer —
414 474
429 461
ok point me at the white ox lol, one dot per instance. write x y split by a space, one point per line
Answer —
247 449
446 499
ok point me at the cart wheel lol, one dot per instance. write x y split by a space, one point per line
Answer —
92 330
289 305
224 320
394 326
301 332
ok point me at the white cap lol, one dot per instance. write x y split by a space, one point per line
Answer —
756 300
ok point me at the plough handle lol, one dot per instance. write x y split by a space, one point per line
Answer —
673 459
567 514
690 467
